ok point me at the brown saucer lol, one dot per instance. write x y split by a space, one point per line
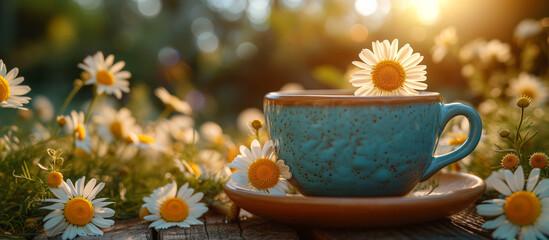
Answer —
455 192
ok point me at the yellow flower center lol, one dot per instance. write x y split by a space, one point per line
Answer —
263 174
79 211
522 208
145 139
105 77
388 75
144 212
174 210
80 132
4 89
116 129
195 168
55 179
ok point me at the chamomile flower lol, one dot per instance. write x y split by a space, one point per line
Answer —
388 71
172 102
169 207
452 140
530 86
212 133
11 92
447 38
114 124
76 212
75 126
259 170
523 211
107 76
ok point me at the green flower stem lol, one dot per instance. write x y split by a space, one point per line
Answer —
65 104
92 104
257 134
520 124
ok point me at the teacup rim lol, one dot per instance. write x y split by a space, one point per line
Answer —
344 97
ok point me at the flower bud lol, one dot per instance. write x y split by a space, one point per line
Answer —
85 76
524 101
78 83
61 121
257 124
504 133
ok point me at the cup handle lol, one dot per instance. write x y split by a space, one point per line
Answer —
475 130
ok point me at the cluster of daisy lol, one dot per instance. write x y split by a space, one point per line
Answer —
521 211
75 210
113 145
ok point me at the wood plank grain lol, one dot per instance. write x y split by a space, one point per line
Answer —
464 225
260 228
216 227
122 230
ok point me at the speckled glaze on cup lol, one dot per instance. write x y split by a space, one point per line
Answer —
338 144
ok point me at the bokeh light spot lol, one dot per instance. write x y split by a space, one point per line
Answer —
358 33
366 7
168 56
149 8
207 42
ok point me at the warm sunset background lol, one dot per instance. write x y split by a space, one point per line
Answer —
223 55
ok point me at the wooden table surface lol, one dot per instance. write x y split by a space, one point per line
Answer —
463 225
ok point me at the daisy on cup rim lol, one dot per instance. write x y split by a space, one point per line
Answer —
107 76
388 71
259 170
76 212
169 207
523 211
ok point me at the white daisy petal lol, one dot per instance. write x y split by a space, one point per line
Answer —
518 178
532 179
102 223
500 186
489 210
195 198
53 221
542 189
152 217
394 49
494 223
368 57
95 190
268 147
92 228
104 212
240 177
89 187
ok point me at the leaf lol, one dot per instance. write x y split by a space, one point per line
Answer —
506 150
526 139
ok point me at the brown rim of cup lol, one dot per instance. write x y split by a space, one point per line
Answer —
343 97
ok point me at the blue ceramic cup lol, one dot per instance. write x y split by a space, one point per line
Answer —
338 144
